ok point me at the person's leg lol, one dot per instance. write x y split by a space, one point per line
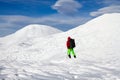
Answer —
73 53
69 53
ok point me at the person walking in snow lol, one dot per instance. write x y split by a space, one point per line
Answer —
70 45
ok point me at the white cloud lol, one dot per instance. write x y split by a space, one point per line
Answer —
11 23
67 7
109 9
111 2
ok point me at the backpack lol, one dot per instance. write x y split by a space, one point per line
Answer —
72 43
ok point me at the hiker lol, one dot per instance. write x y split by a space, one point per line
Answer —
70 45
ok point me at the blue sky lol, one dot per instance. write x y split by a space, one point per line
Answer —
61 14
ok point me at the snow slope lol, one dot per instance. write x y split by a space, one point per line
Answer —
24 38
45 58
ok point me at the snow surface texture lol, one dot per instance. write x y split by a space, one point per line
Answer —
34 53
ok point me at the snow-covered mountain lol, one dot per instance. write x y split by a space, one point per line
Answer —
35 30
44 57
32 31
24 37
100 35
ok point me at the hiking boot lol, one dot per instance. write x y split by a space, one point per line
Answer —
69 56
74 56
